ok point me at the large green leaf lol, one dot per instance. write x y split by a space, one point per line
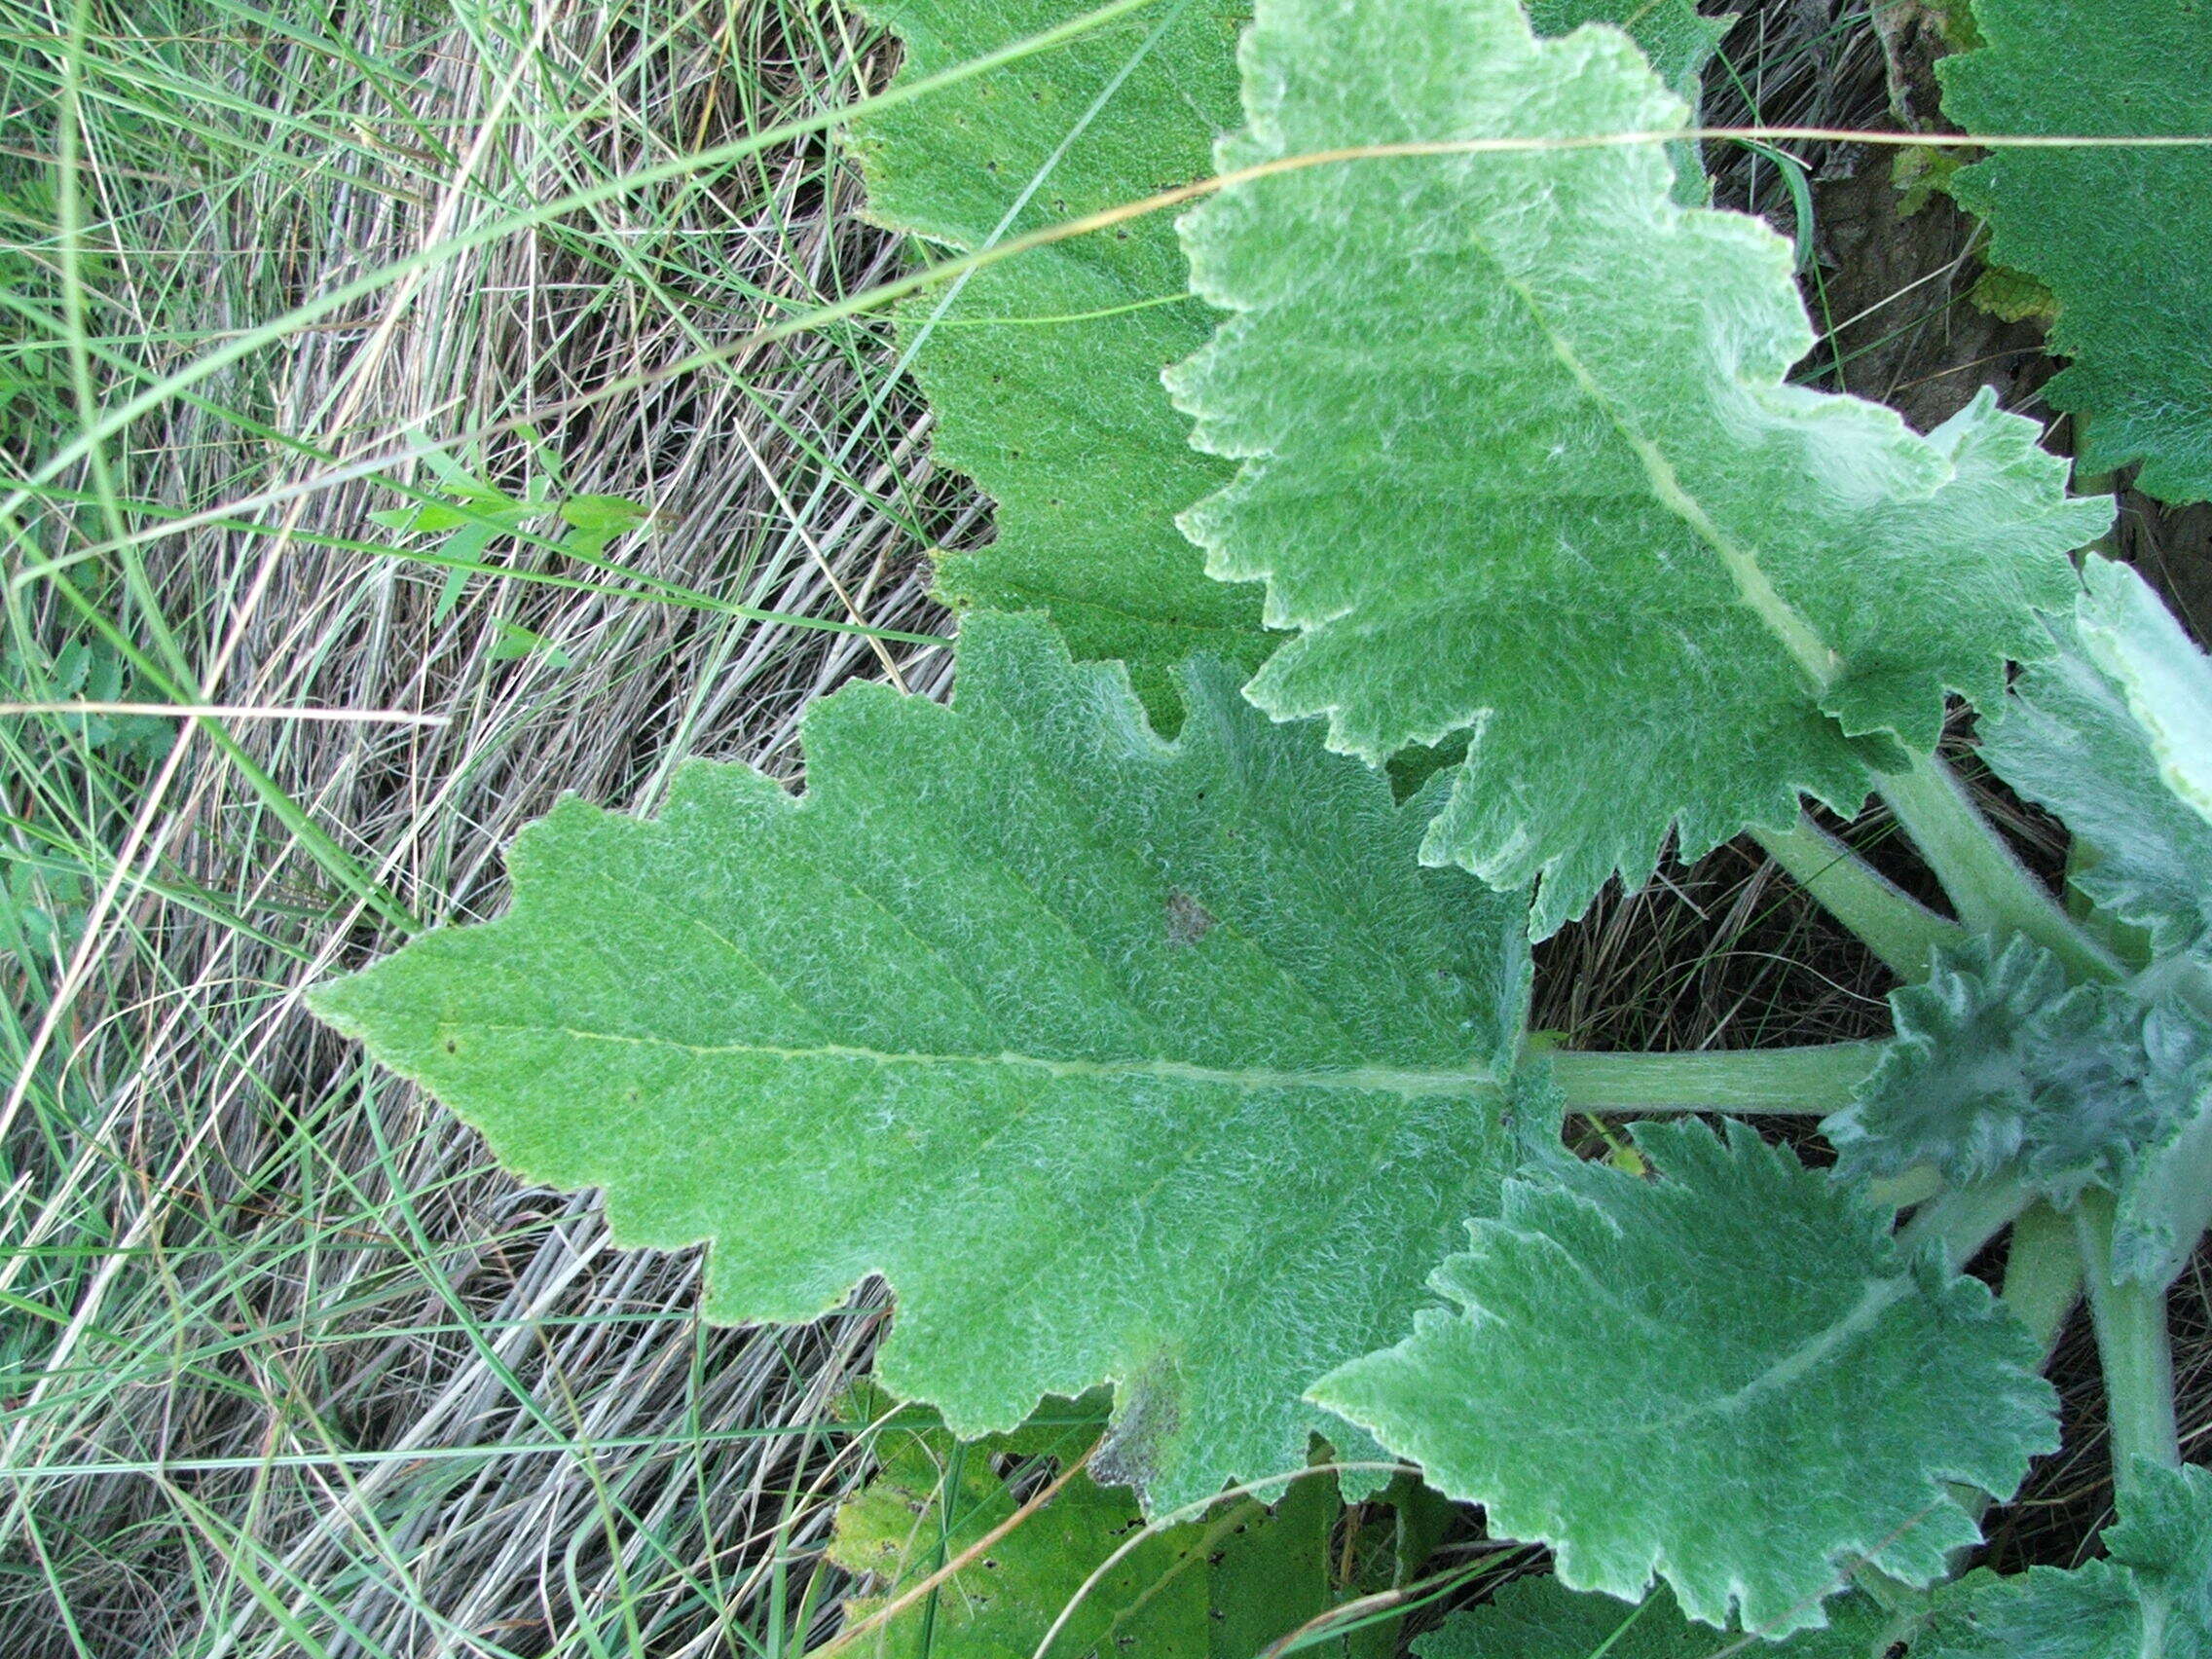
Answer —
1538 1618
2117 236
1519 458
1164 1064
1044 370
2151 1599
1730 1377
2115 735
1220 1588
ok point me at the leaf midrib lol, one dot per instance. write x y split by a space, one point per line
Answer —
1819 661
1409 1082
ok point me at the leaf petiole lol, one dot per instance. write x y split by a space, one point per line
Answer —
1959 1220
2135 1347
1888 920
1993 892
2043 1273
1806 1081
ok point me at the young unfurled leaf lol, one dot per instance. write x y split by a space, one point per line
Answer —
2000 1066
1729 1376
2117 234
1519 458
1242 1576
2073 737
1538 1618
2165 1202
1043 369
1162 1064
2149 1599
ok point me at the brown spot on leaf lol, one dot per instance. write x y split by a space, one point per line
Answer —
1188 920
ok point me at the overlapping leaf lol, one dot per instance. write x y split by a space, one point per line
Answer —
2117 234
1226 1586
1538 1618
1044 370
1164 1064
1519 458
2149 1599
1676 39
1729 1377
2115 735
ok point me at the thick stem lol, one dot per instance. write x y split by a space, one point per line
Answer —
1889 921
2135 1349
1810 1082
1993 892
2043 1273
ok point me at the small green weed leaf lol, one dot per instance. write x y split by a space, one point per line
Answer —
1728 1375
2117 236
1538 1618
1162 1064
511 641
2149 1599
610 514
1520 459
1044 370
1224 1586
2070 739
420 517
594 520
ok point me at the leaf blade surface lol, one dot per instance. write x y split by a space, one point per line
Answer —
1519 458
1122 1060
1730 1378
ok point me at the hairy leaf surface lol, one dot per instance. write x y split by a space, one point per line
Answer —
2073 737
2117 236
1220 1588
1999 1066
1164 1064
1730 1377
1539 1619
1678 41
1519 458
1043 369
2149 1599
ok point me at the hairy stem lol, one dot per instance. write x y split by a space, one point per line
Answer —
1963 1219
1810 1082
1889 921
1993 892
2135 1349
2043 1273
